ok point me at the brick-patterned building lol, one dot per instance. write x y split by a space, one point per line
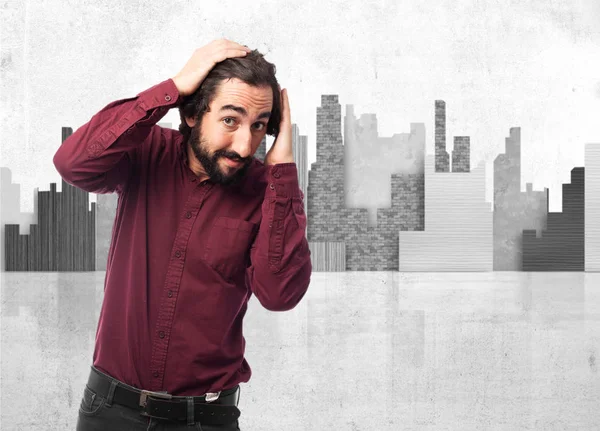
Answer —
461 155
367 248
442 158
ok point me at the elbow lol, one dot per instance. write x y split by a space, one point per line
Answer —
281 303
285 299
283 290
60 165
63 163
77 176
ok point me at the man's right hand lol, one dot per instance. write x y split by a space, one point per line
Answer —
203 60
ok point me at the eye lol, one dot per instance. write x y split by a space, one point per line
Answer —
229 121
259 126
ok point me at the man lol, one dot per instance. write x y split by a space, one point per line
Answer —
201 225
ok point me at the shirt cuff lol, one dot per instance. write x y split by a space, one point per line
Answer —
283 181
164 94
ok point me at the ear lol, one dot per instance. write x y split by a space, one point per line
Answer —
191 122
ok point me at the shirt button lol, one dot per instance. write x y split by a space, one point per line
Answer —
170 294
188 215
168 98
177 253
161 334
155 374
271 186
276 174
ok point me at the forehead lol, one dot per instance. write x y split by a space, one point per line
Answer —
236 92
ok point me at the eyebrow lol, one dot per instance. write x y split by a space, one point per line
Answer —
242 111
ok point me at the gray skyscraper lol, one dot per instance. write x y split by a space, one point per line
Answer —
300 148
106 209
10 210
442 159
514 210
325 191
261 152
592 207
458 224
561 246
366 248
461 155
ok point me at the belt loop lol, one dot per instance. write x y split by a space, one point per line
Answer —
111 392
190 411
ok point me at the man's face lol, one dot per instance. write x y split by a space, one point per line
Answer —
231 131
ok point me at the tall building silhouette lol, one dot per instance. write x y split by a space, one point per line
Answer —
370 161
10 210
300 149
561 246
458 232
106 211
367 248
64 237
325 192
514 210
442 159
461 155
592 207
261 152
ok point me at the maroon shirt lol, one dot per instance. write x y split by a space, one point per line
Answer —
185 255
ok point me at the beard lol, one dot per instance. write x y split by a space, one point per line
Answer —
210 161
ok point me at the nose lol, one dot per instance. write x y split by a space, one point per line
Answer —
243 143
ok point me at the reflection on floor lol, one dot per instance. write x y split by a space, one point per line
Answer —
363 351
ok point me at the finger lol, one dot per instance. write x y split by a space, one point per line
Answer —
229 44
230 53
220 45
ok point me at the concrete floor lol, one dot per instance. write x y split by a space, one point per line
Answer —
363 351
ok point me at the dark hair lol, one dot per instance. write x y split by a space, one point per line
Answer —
252 69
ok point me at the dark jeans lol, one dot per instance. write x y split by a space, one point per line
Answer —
96 413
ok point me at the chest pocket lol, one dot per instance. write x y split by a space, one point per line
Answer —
228 245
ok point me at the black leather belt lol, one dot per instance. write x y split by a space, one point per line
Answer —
159 405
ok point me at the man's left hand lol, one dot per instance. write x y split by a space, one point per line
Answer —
281 151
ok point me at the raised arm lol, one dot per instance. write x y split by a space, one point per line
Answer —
98 156
280 269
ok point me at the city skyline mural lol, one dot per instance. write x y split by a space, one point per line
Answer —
448 153
373 204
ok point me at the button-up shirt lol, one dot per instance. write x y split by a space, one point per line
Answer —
186 255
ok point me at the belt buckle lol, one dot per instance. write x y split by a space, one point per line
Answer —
212 396
145 394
